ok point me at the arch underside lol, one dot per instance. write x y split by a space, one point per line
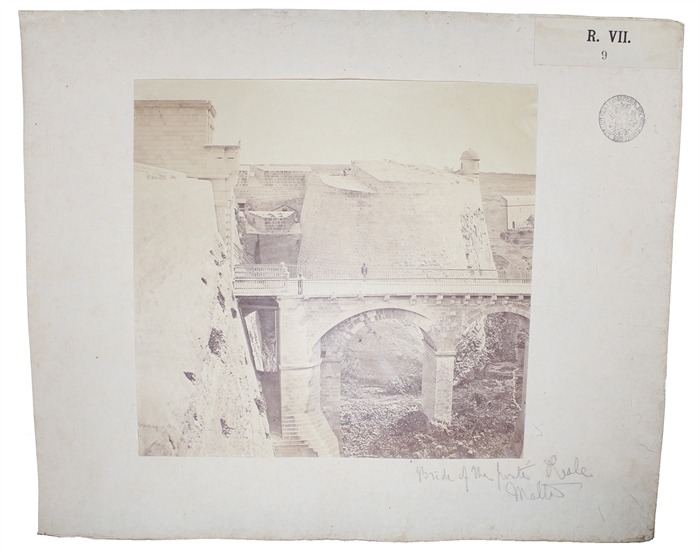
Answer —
333 342
520 309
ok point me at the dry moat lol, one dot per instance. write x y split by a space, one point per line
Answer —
381 412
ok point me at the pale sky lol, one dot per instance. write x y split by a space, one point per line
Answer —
334 122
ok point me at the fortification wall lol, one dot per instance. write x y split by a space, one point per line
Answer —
281 178
439 225
197 392
477 245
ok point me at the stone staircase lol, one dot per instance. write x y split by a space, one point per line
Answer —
318 437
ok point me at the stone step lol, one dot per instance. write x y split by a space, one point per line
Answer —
313 430
294 449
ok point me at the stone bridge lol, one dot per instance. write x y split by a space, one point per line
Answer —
312 332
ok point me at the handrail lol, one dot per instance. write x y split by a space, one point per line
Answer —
241 254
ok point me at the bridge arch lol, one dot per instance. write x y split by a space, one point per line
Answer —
314 332
416 313
334 341
337 335
521 309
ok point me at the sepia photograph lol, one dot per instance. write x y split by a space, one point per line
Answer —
333 268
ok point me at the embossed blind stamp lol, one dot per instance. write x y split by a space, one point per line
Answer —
621 118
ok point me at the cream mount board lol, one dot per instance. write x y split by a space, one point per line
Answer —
116 226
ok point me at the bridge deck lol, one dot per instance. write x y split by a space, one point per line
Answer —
278 280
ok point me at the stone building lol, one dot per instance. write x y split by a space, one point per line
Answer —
177 135
520 211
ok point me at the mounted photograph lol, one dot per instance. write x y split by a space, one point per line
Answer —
333 268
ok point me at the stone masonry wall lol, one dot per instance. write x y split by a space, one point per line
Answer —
242 178
284 179
281 178
171 134
269 198
477 245
279 222
197 393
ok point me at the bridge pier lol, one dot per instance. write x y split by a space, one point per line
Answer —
519 438
438 375
305 430
330 394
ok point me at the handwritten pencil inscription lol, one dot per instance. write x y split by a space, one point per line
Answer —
530 481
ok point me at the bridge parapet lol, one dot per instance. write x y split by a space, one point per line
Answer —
319 281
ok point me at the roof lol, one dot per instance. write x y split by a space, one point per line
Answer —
520 200
469 155
393 172
225 147
176 104
304 169
295 229
271 213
